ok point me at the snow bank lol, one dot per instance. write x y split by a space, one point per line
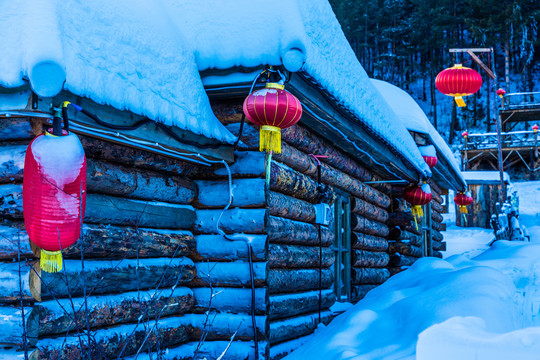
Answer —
458 309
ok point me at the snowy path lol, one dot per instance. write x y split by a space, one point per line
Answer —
479 303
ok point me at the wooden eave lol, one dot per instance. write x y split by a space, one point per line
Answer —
324 116
148 137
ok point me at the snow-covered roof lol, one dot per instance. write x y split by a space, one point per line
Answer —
126 54
145 56
484 177
414 119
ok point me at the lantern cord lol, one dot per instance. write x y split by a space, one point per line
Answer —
250 256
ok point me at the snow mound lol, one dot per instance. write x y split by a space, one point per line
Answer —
486 307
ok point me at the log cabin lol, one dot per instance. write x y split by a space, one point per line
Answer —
194 244
408 242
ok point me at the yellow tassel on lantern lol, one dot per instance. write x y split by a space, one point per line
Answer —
463 209
270 139
418 213
50 261
459 101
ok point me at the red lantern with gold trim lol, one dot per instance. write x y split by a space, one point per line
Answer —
463 199
535 128
458 81
418 196
501 93
273 109
429 154
54 195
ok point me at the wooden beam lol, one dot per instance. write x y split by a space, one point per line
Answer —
63 315
103 277
471 49
292 256
296 280
288 305
481 64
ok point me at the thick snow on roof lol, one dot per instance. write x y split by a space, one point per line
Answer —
144 56
413 118
125 54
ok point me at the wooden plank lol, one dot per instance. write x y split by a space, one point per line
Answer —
236 350
301 138
285 231
226 299
14 240
287 329
402 260
11 201
217 248
131 157
288 305
289 281
251 221
481 64
104 277
370 211
405 249
11 291
125 340
105 241
360 291
104 209
291 208
111 179
363 241
363 258
293 256
60 316
229 274
12 163
117 242
361 276
11 327
247 164
245 193
370 227
17 128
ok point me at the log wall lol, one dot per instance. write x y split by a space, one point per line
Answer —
155 272
301 254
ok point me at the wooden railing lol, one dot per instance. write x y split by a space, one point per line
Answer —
526 100
512 139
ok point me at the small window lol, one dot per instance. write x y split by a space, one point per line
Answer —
342 247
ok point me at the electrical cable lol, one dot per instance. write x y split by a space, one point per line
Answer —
138 124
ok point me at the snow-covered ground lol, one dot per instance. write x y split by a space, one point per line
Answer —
479 303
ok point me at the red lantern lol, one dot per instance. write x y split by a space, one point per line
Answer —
458 81
418 196
463 200
501 93
54 195
465 134
273 109
429 154
535 128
